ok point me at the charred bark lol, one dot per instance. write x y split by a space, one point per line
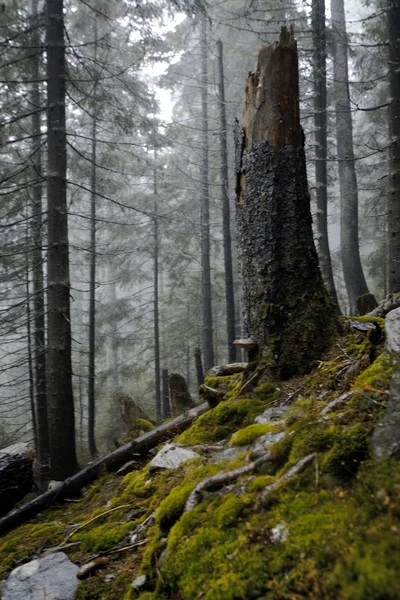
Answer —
16 475
286 307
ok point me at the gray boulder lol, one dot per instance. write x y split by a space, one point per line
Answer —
171 456
386 438
52 577
392 329
271 414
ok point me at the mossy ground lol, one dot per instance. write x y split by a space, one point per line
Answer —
331 533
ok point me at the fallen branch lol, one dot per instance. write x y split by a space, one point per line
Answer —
389 303
69 536
112 462
295 470
217 481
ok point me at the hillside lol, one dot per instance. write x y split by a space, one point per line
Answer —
303 510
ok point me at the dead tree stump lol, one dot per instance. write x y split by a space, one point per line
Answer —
16 475
181 399
286 307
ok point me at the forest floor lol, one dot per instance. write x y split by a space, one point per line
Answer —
310 514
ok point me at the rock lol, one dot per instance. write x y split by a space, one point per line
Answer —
279 533
266 440
53 577
386 439
16 474
271 414
139 582
228 454
171 456
53 484
392 329
360 326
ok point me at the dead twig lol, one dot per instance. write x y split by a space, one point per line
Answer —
69 536
295 470
221 479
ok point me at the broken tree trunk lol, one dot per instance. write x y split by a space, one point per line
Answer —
16 475
111 462
286 307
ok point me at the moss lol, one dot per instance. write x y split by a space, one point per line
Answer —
378 374
94 588
144 425
221 421
268 392
102 537
350 448
245 437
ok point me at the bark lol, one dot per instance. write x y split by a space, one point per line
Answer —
226 211
16 475
181 399
59 386
157 359
166 406
393 26
208 343
92 275
321 150
349 245
286 307
112 462
42 457
199 367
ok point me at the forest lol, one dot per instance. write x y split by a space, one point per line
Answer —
201 237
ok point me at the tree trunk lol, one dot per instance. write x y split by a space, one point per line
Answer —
42 458
286 307
349 246
393 25
321 152
92 275
166 413
157 359
226 211
208 343
60 396
199 367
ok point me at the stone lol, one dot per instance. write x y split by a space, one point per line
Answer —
385 438
266 440
392 329
228 454
139 582
271 414
53 577
171 456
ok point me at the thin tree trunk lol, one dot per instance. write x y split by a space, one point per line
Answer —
205 210
92 276
114 335
349 245
29 351
321 151
286 307
199 367
157 360
42 459
165 395
60 395
393 25
226 211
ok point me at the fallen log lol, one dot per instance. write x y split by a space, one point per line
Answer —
16 475
112 462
